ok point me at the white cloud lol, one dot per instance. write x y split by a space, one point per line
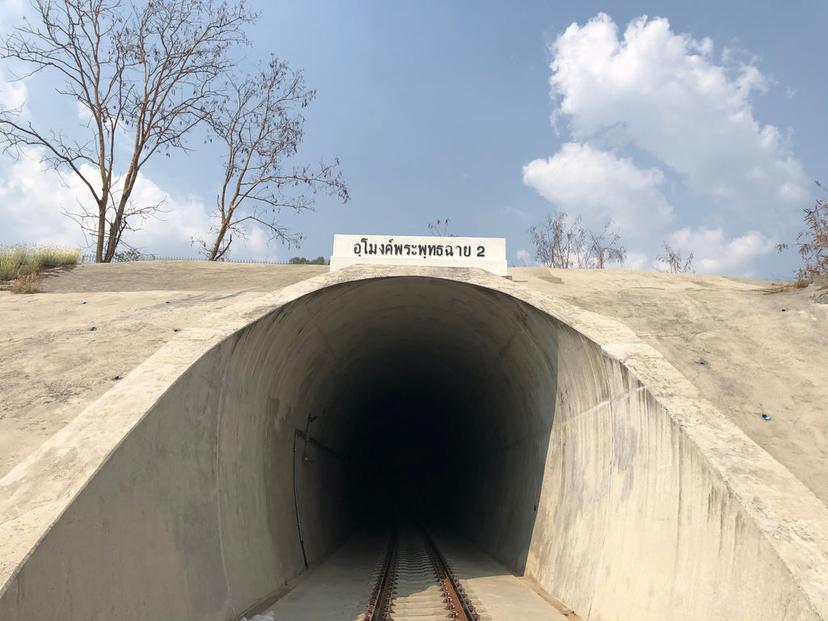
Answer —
84 113
653 93
11 8
598 185
665 93
636 261
33 199
168 234
715 253
523 257
12 93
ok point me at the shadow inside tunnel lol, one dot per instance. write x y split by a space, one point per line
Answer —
438 405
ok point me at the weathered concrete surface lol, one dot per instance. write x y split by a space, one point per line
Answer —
179 276
337 590
748 347
636 497
54 363
730 337
493 590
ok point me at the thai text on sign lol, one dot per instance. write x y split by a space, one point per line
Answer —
487 253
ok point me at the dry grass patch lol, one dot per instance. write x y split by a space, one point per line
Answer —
799 283
11 261
17 261
27 283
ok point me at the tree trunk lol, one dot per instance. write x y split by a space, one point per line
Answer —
99 240
217 245
116 228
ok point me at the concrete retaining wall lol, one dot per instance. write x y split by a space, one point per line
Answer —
589 463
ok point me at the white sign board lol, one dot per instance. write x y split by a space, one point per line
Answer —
488 253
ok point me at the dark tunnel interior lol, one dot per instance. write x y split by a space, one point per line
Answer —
405 445
433 403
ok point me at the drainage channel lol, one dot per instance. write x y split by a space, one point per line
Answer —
415 582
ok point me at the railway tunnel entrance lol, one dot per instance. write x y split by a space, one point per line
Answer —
431 401
238 456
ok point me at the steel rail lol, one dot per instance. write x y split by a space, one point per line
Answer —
381 602
459 604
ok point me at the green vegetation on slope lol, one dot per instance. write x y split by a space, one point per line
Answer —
16 261
306 261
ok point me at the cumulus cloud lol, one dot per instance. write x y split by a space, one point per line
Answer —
523 257
665 93
12 93
716 253
599 185
636 260
712 169
168 233
33 199
10 8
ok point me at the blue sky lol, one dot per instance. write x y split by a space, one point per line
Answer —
702 125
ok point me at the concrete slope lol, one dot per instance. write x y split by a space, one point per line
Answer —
746 345
234 457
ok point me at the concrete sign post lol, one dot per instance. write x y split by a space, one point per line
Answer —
487 253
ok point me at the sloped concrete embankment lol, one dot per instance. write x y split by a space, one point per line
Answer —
234 456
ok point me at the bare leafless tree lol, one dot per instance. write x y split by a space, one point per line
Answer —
674 260
566 243
260 125
812 243
557 241
144 76
440 228
605 247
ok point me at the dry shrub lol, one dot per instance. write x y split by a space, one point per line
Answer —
812 243
11 261
54 256
675 261
27 283
566 243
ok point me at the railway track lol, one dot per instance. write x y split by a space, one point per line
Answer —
416 583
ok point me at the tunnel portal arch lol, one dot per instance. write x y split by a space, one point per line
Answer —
575 454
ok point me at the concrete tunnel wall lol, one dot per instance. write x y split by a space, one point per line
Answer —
567 466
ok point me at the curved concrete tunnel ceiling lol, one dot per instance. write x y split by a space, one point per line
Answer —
237 456
440 395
